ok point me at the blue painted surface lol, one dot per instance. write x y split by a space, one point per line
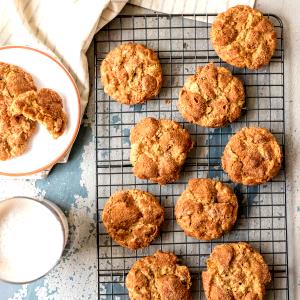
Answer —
125 136
138 107
60 187
7 290
64 180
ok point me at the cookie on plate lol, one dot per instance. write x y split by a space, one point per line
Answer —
131 74
133 218
14 81
159 149
213 97
159 277
252 156
235 271
243 37
44 106
15 132
207 209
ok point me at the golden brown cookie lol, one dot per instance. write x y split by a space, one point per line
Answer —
131 74
159 277
132 218
14 81
252 156
212 97
159 149
235 271
15 132
243 37
207 209
44 106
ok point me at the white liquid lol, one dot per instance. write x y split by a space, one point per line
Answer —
31 240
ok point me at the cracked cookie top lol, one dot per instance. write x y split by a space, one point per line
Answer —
159 149
131 74
235 271
132 218
243 37
159 277
213 97
252 156
206 209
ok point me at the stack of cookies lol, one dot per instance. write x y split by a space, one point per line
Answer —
207 209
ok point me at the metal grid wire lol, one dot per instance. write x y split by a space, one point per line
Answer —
182 44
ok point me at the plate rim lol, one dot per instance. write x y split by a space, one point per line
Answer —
64 152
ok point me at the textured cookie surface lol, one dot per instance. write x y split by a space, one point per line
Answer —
212 97
243 37
159 277
131 74
206 209
44 106
15 132
235 271
159 149
252 156
133 218
14 81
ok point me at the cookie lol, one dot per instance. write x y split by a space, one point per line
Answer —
15 132
243 37
213 97
235 271
159 149
207 209
159 277
45 107
14 81
252 156
132 218
131 74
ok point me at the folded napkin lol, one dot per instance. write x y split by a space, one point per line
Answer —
65 28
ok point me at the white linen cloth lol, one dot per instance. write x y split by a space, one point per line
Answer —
65 28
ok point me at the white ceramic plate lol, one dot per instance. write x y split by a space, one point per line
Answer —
43 151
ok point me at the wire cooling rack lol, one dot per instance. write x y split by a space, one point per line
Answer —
182 44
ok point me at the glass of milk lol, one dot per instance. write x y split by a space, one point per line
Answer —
33 235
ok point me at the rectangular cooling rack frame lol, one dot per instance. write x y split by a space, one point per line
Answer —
182 43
